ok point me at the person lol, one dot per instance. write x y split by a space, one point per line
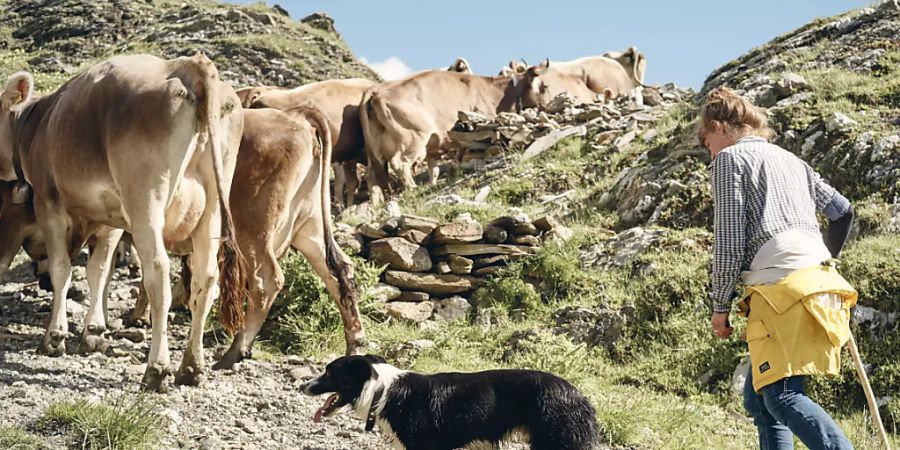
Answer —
767 238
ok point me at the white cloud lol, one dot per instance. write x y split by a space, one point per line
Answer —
390 69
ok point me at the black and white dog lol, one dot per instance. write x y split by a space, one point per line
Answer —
456 410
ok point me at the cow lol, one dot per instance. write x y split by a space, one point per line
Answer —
339 101
620 72
541 84
406 120
139 144
513 68
461 66
280 201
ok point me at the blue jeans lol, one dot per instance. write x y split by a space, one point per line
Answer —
782 410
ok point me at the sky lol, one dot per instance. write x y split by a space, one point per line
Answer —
683 40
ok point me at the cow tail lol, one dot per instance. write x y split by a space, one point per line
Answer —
335 259
233 279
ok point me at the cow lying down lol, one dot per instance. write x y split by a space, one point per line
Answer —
456 410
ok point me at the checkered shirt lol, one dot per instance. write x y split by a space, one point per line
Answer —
759 190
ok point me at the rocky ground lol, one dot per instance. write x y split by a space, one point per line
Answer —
255 406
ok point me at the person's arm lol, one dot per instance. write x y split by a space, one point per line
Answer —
729 228
837 210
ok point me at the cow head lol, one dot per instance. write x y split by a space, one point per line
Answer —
18 229
249 95
633 61
535 92
16 95
461 66
514 68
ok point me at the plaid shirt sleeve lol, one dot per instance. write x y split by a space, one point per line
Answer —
822 191
729 230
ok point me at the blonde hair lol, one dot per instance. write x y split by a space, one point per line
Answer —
738 116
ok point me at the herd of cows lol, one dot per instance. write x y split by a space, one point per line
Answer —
166 152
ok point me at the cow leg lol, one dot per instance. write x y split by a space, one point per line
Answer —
265 285
434 171
204 289
99 268
377 177
340 184
148 241
309 241
351 182
54 229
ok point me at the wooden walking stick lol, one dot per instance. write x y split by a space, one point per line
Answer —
870 396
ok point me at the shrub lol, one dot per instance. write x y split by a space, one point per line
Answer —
128 423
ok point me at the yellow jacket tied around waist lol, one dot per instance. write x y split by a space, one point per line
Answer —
798 325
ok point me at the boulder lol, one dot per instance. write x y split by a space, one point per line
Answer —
423 224
452 308
369 231
432 283
351 242
384 292
398 253
839 123
531 241
460 265
442 267
410 312
413 297
495 235
523 229
510 221
790 84
415 236
482 249
491 261
545 223
458 232
601 326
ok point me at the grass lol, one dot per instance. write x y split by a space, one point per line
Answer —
128 422
15 438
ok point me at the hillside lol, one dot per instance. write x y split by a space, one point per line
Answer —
617 304
250 45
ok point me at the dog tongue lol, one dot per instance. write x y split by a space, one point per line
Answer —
324 408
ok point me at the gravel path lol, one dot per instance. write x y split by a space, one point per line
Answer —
255 406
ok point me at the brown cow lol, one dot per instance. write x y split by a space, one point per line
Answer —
280 200
406 120
541 84
620 72
141 144
339 101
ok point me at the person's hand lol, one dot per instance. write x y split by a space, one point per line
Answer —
721 326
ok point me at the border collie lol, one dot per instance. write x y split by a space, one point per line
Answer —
457 410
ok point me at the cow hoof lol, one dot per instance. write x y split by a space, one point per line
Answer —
92 343
189 376
230 359
155 380
53 344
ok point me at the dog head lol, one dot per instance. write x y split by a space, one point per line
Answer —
344 378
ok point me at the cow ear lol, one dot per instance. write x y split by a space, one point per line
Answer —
18 90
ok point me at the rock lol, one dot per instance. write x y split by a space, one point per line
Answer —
404 354
560 233
410 312
391 225
350 241
247 425
449 199
491 261
545 223
302 373
495 235
415 236
460 265
790 84
884 147
839 122
370 231
508 222
622 141
623 249
398 253
531 241
413 297
460 232
652 97
471 117
545 142
523 229
135 335
423 224
810 142
489 270
593 327
482 249
321 21
432 283
452 308
114 324
442 267
384 292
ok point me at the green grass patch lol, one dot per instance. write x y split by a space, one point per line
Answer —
129 422
15 438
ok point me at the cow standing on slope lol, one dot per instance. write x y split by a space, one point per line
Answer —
618 72
141 144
